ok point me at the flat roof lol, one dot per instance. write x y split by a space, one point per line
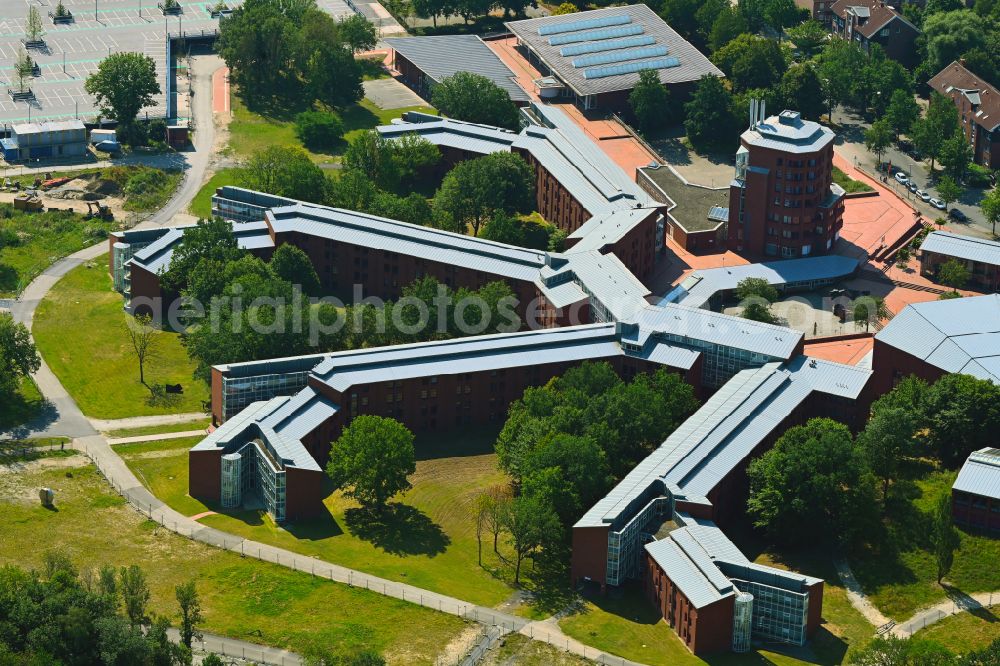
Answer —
962 247
53 126
980 475
957 335
602 50
698 288
689 205
440 56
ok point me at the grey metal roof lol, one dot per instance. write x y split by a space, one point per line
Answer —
700 286
407 239
605 278
53 126
956 335
698 580
962 247
980 475
632 20
470 137
607 228
156 256
440 56
788 132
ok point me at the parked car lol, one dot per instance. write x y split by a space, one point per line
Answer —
957 215
901 178
937 203
923 195
913 187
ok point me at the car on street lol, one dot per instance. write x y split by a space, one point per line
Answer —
913 187
957 215
937 203
923 195
901 178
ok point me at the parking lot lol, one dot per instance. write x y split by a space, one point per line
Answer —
74 50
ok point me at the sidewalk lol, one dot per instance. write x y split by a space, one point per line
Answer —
155 438
962 603
104 425
237 649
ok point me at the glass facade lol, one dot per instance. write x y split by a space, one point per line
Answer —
719 362
742 616
238 392
778 615
625 545
232 480
261 475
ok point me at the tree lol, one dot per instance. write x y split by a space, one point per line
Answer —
332 76
962 416
371 153
143 338
752 287
948 35
18 356
758 311
948 190
727 26
709 118
878 137
33 31
939 124
135 594
291 264
565 8
869 310
209 240
682 16
956 156
990 206
190 607
318 130
284 171
944 537
813 486
650 101
839 64
780 14
889 650
123 84
953 273
902 112
808 36
371 459
569 472
24 67
751 62
357 32
413 155
885 440
530 523
801 89
475 99
477 190
212 659
433 8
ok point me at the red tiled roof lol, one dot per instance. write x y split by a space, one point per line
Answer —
955 80
880 12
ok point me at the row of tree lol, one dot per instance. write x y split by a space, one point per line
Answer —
892 651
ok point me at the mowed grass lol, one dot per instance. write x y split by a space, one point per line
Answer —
849 184
79 330
428 540
25 404
201 205
241 598
965 631
901 583
199 424
626 624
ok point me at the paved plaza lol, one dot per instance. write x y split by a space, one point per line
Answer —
74 50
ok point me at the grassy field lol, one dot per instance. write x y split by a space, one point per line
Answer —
242 598
24 405
849 184
429 541
79 330
900 581
31 242
199 424
201 205
627 625
965 631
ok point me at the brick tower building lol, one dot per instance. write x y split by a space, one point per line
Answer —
783 201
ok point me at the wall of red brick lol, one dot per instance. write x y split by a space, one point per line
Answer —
890 365
205 475
965 511
815 617
303 494
590 555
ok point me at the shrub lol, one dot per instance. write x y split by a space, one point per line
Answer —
319 129
978 176
158 130
144 181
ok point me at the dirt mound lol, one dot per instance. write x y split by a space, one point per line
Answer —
97 184
74 194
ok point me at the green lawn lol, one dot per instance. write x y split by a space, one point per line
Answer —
25 404
849 184
241 598
429 541
626 624
965 631
900 581
201 205
78 328
199 424
31 242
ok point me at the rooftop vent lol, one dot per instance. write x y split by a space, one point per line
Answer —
790 118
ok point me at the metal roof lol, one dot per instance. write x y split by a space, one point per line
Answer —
41 128
631 20
470 137
440 56
962 247
606 279
956 335
980 475
607 228
156 256
690 576
700 286
789 133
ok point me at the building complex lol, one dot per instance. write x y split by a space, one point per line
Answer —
978 105
981 257
975 495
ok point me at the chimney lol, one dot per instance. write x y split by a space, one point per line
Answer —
961 61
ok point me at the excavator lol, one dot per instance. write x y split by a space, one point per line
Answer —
99 211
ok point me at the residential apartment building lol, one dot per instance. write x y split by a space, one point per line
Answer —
978 105
980 256
871 22
975 495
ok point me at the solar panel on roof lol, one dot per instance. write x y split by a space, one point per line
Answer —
586 24
595 47
620 56
592 35
718 213
630 68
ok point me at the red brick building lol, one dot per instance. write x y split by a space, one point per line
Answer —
975 495
980 256
978 105
783 201
868 22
